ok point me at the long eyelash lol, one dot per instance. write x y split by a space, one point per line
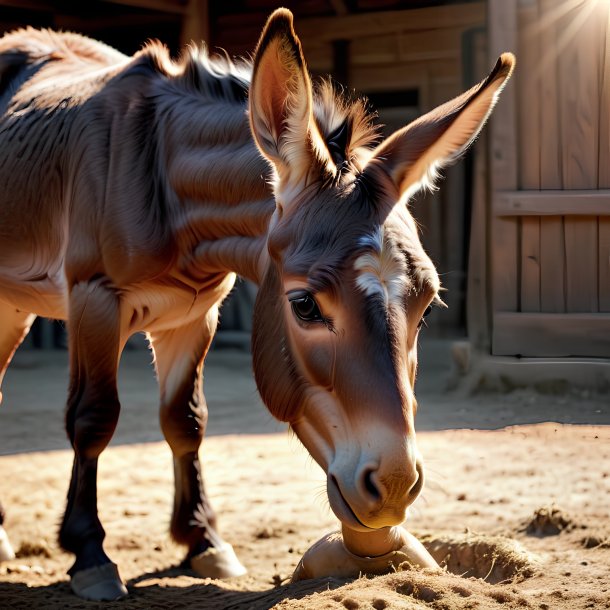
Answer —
329 323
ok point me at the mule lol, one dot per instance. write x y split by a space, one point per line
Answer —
134 189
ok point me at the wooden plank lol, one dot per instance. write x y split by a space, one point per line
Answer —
167 6
550 149
502 26
552 248
389 77
604 262
529 152
530 264
581 264
553 203
552 264
32 5
453 233
412 46
340 7
579 93
529 98
385 22
552 335
477 301
603 178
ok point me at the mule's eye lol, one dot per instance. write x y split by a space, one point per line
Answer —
305 307
422 322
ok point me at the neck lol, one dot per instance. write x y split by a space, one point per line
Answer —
221 182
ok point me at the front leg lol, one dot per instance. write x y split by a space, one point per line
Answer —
179 357
91 417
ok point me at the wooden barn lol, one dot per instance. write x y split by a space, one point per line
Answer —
520 229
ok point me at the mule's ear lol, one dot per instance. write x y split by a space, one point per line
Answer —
412 155
281 99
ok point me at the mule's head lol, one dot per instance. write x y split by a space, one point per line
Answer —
346 282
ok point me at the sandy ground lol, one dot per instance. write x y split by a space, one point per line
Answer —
519 509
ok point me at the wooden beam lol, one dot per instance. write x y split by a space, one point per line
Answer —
196 23
340 7
552 335
78 23
167 6
552 203
31 5
371 24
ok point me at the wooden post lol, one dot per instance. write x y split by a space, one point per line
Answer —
477 313
502 36
529 152
341 61
603 179
196 23
579 92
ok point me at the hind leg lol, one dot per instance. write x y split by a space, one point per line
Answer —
14 326
179 355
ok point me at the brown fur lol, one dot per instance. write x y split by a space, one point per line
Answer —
132 191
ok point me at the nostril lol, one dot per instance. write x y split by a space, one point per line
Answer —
370 484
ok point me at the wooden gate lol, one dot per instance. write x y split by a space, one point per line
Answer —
550 180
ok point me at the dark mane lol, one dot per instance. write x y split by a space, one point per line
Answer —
345 122
347 125
213 77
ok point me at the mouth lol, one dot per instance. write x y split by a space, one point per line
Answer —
419 484
340 506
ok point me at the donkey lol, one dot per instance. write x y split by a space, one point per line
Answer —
133 192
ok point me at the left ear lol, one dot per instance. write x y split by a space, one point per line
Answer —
281 103
412 155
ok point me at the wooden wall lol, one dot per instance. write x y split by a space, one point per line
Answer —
417 56
550 172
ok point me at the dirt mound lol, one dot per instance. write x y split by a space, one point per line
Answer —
494 559
548 521
410 590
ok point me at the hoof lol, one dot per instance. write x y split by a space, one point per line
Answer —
6 550
100 584
218 563
329 557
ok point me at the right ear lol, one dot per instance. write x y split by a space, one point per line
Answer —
281 102
411 155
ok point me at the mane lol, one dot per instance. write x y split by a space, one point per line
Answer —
347 125
213 77
345 122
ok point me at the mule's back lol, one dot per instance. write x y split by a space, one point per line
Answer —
45 78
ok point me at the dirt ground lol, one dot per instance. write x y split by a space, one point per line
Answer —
517 507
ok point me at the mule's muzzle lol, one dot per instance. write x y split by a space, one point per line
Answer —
374 500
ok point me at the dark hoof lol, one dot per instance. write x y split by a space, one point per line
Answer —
218 563
100 583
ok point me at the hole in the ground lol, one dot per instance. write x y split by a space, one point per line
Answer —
492 558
